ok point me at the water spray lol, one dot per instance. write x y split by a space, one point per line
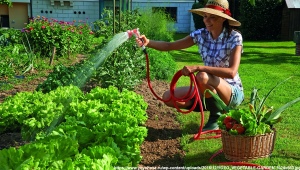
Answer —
93 63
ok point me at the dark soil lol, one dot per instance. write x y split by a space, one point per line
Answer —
161 147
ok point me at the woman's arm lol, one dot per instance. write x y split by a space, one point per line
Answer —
230 72
166 46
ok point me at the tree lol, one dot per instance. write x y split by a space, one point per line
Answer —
7 2
252 2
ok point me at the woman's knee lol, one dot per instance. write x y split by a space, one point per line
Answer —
202 77
166 96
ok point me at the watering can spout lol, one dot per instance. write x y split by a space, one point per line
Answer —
134 32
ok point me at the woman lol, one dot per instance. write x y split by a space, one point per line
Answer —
220 47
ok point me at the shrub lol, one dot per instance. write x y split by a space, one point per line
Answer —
77 75
162 67
105 26
45 34
15 57
122 68
6 2
9 37
14 60
6 69
60 76
163 30
125 68
198 20
261 21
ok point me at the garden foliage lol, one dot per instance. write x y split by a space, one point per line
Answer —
10 36
198 19
66 75
6 2
258 119
68 37
13 56
69 129
162 65
156 25
26 50
126 67
261 21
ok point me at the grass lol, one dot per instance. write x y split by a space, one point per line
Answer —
263 65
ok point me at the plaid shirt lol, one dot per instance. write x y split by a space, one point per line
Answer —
216 53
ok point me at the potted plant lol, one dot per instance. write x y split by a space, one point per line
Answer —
249 133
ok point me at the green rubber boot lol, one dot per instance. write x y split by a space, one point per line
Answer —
215 113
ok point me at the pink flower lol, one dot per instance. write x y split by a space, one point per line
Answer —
43 27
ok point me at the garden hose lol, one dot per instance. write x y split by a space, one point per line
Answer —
194 94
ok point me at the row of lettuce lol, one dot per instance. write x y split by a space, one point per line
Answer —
69 129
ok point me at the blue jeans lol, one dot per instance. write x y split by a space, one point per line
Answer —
237 97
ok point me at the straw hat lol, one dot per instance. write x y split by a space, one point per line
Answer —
217 7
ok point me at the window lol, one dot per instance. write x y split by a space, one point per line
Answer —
172 11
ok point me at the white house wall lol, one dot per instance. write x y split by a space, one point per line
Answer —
21 1
184 22
86 10
90 10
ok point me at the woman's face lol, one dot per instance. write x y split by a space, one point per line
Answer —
213 22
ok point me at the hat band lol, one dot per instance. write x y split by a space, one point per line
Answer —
225 11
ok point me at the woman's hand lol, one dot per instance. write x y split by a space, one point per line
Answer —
187 70
142 41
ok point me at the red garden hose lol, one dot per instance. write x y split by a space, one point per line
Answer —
188 96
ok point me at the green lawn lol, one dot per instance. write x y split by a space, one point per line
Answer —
263 65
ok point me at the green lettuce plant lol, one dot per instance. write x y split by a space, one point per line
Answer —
257 119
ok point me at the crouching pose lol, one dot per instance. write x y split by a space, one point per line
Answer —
220 47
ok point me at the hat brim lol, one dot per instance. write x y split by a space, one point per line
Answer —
201 12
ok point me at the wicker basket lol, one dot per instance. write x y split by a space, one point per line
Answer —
244 148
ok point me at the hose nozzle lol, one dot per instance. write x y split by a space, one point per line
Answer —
134 32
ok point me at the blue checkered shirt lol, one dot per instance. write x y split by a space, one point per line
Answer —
216 53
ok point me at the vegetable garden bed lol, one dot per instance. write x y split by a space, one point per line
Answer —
160 148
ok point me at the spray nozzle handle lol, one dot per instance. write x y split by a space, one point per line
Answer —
134 32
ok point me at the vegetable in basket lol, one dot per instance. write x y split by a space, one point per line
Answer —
257 119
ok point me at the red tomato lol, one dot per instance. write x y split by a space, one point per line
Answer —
229 125
227 119
239 128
